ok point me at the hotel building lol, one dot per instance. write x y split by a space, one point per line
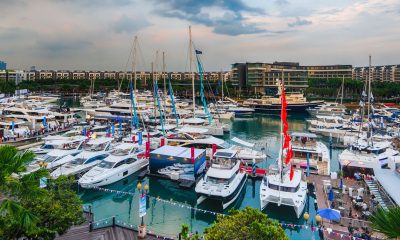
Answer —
259 77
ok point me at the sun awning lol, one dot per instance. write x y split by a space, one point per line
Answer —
241 142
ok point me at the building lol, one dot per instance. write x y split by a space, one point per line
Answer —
260 77
386 73
3 65
16 76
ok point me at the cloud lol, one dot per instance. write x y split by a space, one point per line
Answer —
63 46
129 25
224 16
281 2
299 22
97 3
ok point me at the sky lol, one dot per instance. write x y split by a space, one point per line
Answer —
98 34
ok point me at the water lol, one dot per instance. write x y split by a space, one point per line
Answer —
166 218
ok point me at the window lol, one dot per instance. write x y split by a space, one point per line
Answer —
119 164
130 160
106 164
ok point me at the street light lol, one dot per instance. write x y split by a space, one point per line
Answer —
143 193
306 216
318 219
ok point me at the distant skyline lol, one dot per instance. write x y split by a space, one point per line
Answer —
98 34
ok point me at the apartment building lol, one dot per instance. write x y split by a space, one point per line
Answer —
259 77
386 73
16 76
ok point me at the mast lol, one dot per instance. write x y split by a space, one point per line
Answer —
369 87
222 86
134 61
341 97
280 161
191 68
164 73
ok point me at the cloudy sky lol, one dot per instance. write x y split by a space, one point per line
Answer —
98 34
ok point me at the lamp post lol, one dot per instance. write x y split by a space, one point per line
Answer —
142 208
306 216
318 219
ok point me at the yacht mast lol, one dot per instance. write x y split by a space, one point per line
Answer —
134 61
222 85
191 68
164 73
369 101
341 97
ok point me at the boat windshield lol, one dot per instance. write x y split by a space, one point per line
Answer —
47 146
223 163
120 151
283 188
94 147
69 146
49 158
78 161
106 164
214 180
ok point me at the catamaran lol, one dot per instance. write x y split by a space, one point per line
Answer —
285 186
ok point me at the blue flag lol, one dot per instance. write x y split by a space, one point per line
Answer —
140 136
308 165
12 126
113 129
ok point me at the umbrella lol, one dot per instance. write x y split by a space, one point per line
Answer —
329 214
330 195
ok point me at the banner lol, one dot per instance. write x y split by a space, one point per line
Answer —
142 205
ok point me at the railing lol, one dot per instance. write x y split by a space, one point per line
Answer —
115 222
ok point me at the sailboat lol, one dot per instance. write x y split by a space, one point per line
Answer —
365 153
285 186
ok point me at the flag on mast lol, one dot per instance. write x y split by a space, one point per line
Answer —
286 143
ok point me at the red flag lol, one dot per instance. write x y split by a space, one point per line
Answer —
285 126
162 142
192 154
289 154
291 172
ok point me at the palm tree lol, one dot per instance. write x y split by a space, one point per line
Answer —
13 162
387 222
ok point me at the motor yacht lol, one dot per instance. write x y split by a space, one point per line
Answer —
195 137
328 109
363 155
306 145
64 148
223 181
93 153
122 162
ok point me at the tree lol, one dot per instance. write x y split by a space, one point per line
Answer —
248 223
387 222
28 210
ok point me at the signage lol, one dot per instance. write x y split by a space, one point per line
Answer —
142 205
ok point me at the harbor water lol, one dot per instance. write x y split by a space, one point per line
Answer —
179 205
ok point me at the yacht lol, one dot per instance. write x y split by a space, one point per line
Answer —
64 148
328 109
195 137
306 145
278 189
94 152
223 181
364 155
122 162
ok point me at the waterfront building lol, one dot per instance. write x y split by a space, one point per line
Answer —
3 65
260 77
16 76
386 73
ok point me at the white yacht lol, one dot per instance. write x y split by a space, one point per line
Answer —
328 109
122 162
364 155
194 137
223 181
307 144
94 152
67 147
278 189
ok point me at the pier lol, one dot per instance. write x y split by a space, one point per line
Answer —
353 217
